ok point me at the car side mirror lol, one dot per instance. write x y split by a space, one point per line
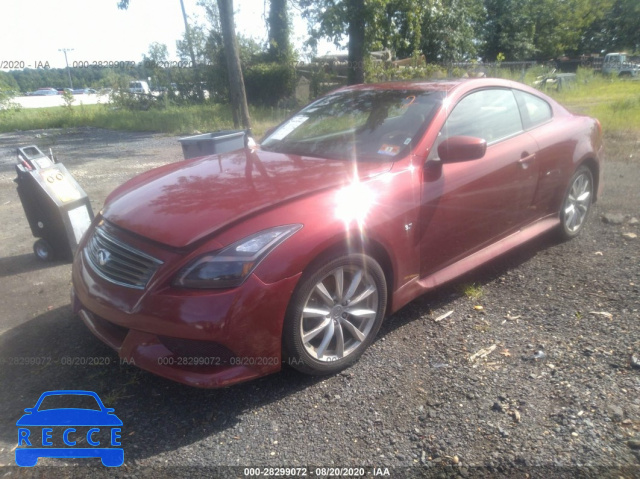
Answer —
461 148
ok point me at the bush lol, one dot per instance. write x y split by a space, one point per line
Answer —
6 103
268 83
136 101
385 71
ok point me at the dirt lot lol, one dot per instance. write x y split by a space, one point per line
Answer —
559 393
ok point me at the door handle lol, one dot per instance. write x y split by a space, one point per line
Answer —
525 160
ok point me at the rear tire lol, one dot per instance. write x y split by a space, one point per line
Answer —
577 202
334 314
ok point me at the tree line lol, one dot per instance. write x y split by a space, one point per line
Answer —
465 30
441 31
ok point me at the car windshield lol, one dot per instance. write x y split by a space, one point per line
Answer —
368 125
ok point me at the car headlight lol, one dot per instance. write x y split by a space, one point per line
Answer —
230 266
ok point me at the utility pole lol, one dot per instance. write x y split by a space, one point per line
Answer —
65 50
239 107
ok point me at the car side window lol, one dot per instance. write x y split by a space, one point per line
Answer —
535 111
489 114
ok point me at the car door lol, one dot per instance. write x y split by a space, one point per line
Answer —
553 157
468 204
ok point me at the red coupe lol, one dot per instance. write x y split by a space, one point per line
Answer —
220 269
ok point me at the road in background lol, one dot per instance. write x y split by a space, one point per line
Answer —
58 100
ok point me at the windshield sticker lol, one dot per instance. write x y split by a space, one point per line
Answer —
389 150
288 127
408 101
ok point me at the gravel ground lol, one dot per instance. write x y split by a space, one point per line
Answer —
531 375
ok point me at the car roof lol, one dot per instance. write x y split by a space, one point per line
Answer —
436 85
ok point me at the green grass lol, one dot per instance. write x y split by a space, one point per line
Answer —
616 103
472 291
174 120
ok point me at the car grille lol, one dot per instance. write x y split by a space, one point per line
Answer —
119 263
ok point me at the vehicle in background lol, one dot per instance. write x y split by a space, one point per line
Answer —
139 86
83 91
45 92
617 64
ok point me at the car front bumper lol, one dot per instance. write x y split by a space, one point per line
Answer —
203 338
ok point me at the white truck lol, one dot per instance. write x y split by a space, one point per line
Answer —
139 86
617 64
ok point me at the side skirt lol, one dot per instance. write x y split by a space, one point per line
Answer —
419 286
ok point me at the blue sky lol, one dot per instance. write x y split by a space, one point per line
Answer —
34 30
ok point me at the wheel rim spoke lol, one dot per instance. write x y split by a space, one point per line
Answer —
339 341
570 210
355 282
362 312
328 334
583 197
355 332
338 275
366 293
324 294
314 312
317 330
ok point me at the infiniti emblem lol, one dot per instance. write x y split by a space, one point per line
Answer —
103 257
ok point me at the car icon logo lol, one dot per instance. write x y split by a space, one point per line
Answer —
103 257
69 432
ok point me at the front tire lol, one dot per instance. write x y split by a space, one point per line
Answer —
334 314
577 203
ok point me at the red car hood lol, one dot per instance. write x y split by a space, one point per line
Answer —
183 202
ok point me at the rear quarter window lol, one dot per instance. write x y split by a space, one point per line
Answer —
535 111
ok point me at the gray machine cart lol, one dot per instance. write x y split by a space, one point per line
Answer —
57 208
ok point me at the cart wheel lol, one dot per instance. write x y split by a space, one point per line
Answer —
43 250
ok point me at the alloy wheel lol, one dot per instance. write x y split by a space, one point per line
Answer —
339 313
577 203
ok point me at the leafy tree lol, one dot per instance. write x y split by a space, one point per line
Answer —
279 32
197 42
157 54
68 99
617 30
509 29
8 89
335 19
559 26
539 29
450 30
238 96
8 82
627 35
397 26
